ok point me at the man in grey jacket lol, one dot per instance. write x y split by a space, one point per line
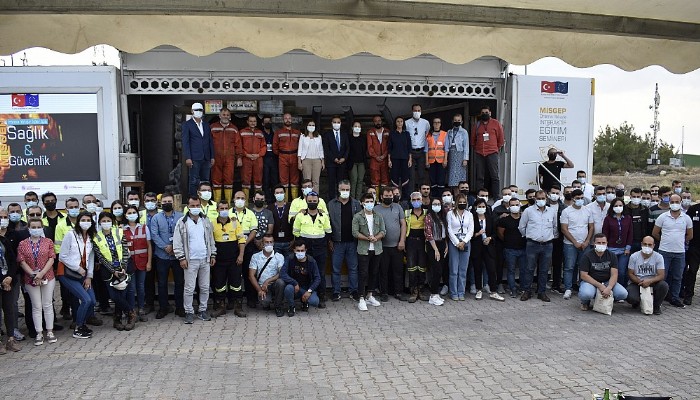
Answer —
344 245
193 246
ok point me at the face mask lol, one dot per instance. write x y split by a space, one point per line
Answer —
311 129
205 195
436 208
118 212
344 194
50 206
675 207
486 198
397 199
686 202
600 198
531 201
618 210
653 203
601 248
224 121
312 206
167 207
647 250
356 129
485 117
582 180
223 213
268 248
481 211
195 211
646 203
31 203
387 200
505 199
73 212
416 204
514 209
540 203
198 114
336 127
462 206
268 126
239 203
416 115
279 196
554 197
150 205
678 190
378 126
132 217
447 199
106 226
619 193
369 206
259 203
15 217
98 209
567 196
306 190
36 232
457 124
85 225
636 200
578 202
666 199
552 157
91 207
300 255
609 197
134 203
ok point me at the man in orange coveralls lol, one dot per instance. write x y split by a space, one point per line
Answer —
378 148
254 148
227 152
285 146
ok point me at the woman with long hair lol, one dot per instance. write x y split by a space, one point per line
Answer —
400 160
117 209
460 229
436 237
617 227
483 252
138 241
310 154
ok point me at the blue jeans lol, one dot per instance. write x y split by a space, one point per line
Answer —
459 260
511 257
290 296
163 268
86 298
283 248
199 172
572 257
539 256
587 292
622 261
123 299
347 251
674 264
139 282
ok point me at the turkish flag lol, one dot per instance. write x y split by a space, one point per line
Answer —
547 87
18 100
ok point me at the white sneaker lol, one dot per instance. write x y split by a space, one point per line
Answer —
373 302
39 340
435 300
478 295
444 290
362 305
567 294
472 289
496 296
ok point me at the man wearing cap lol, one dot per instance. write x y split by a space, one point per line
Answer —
197 148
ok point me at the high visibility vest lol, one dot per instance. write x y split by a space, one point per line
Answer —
414 222
101 245
247 220
299 204
138 246
436 149
63 226
307 227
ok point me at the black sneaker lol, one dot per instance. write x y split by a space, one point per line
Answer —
160 314
657 310
383 297
94 321
525 296
557 290
677 303
543 297
322 304
86 329
291 311
81 333
57 327
204 316
304 306
106 311
180 312
686 300
355 296
335 297
401 297
189 318
279 312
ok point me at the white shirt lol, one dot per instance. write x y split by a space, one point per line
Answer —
577 221
370 226
195 239
588 191
538 225
598 215
460 229
199 126
273 267
310 147
673 231
418 131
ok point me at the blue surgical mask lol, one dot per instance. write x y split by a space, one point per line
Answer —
15 217
118 212
150 205
666 199
73 212
132 217
416 204
223 213
369 206
578 202
600 198
300 255
541 203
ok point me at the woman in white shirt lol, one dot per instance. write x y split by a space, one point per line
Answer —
460 228
310 155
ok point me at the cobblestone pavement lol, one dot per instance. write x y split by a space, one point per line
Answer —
462 350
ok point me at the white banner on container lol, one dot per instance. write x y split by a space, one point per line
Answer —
551 112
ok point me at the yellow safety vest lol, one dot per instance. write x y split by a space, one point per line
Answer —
101 245
248 221
414 222
229 232
306 227
299 204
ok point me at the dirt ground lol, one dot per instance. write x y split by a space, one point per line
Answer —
660 176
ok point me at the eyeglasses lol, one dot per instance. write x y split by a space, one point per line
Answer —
197 109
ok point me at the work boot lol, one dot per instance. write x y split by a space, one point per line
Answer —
229 304
414 295
228 195
130 321
2 349
219 309
423 295
247 194
12 345
118 322
142 315
238 308
295 193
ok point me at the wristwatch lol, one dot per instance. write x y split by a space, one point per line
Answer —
310 291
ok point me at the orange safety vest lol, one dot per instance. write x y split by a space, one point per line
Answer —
436 150
138 246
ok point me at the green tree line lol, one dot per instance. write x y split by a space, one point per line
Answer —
622 149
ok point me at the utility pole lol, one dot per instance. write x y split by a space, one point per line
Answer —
682 146
656 126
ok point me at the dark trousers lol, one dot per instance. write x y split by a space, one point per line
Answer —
659 289
270 176
401 177
557 261
9 307
101 292
124 300
436 268
318 249
391 265
482 257
436 174
336 173
499 260
164 267
486 170
250 294
150 283
200 171
692 258
417 170
368 272
415 259
226 277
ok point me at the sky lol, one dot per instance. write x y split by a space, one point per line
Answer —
621 96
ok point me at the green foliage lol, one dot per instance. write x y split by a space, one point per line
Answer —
621 149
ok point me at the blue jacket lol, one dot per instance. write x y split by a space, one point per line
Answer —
330 147
162 233
196 147
290 264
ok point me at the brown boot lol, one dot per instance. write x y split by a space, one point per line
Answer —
2 348
117 324
12 345
130 321
238 308
414 295
423 296
219 309
142 315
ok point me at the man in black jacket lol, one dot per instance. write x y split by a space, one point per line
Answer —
336 148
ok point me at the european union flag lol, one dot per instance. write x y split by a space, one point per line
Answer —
559 87
31 100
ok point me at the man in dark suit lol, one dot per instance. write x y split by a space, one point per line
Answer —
197 148
336 146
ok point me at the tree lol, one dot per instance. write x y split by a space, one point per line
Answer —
621 149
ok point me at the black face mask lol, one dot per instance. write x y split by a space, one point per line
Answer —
567 196
312 206
50 206
387 200
259 203
485 117
456 124
167 207
552 157
426 206
378 126
464 191
267 126
462 206
531 201
620 193
396 199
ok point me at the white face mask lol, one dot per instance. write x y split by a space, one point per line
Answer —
279 196
582 180
91 207
336 127
223 213
437 208
447 199
306 190
486 198
514 209
416 115
578 202
601 248
36 232
239 203
686 202
205 195
646 203
195 211
85 225
132 217
618 209
554 197
118 212
344 194
150 205
4 223
311 128
609 197
541 203
268 248
675 207
506 198
31 204
300 255
647 250
106 226
481 210
636 200
356 129
197 114
134 203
